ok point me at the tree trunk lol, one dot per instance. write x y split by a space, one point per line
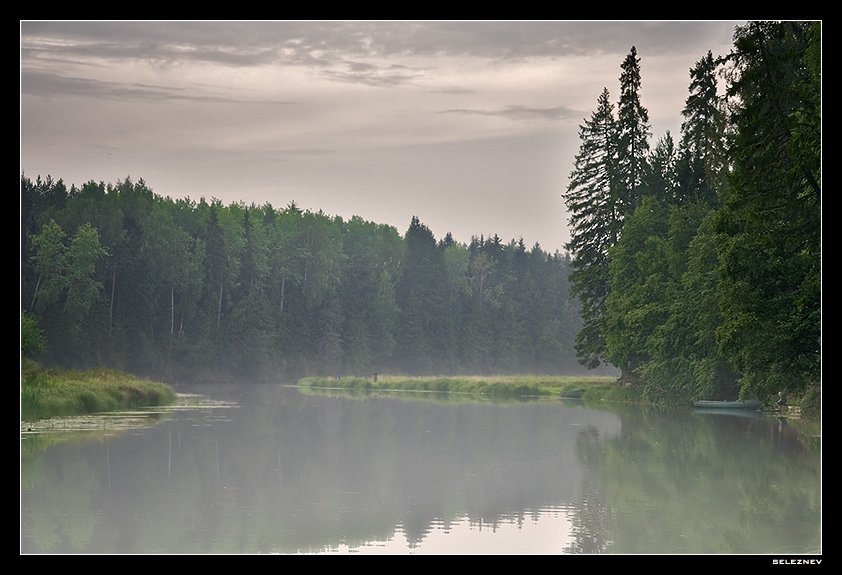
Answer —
172 311
111 304
37 285
304 282
219 305
283 289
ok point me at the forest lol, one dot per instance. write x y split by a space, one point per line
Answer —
698 262
117 275
694 264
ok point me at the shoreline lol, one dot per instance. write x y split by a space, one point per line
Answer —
47 393
585 388
504 387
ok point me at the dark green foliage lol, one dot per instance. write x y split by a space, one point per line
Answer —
637 302
702 163
593 203
711 284
811 403
661 172
771 219
31 336
66 287
422 297
182 290
632 135
607 183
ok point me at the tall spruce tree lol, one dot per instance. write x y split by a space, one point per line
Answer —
595 221
417 292
770 222
632 134
660 174
702 149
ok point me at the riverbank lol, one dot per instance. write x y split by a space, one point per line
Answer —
49 393
589 389
506 386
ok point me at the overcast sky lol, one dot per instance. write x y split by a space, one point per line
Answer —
472 126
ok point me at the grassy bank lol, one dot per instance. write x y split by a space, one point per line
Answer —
596 387
51 393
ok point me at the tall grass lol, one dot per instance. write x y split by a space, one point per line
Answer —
491 386
811 402
51 393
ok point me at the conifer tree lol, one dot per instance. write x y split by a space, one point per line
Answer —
595 221
702 148
632 135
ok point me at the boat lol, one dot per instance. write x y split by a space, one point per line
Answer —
749 404
573 394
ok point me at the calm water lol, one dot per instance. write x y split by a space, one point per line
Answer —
284 472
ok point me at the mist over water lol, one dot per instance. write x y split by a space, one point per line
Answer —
290 473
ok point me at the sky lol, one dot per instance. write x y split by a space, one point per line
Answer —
470 125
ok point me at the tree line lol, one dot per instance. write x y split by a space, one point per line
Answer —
698 262
118 275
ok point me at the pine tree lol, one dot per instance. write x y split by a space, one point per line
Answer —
660 174
702 148
632 134
770 222
595 222
416 292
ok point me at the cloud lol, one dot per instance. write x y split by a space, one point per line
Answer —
377 79
154 48
360 67
373 75
306 151
236 44
41 83
314 43
520 113
451 91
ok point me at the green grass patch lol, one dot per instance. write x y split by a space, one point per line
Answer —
614 393
503 386
811 402
51 393
409 395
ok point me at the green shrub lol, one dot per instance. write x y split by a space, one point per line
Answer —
811 402
31 336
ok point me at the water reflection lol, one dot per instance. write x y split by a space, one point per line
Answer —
718 484
544 531
287 473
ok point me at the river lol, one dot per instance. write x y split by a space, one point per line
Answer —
267 469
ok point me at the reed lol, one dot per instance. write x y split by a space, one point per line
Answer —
50 392
491 386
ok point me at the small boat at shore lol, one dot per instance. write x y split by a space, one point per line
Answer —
749 404
573 394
